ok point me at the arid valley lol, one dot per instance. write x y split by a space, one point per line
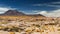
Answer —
28 24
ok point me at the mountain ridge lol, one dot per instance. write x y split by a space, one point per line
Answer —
17 13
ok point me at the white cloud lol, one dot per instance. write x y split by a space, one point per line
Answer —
54 13
51 4
4 9
55 2
38 4
42 12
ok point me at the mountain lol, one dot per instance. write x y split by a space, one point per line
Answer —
17 13
13 12
36 15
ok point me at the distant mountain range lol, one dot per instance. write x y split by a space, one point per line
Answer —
17 13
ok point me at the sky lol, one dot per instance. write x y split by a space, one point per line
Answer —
49 8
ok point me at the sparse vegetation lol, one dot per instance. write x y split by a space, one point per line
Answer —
27 24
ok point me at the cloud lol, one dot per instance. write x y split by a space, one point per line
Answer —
4 9
51 4
38 4
54 13
42 12
55 2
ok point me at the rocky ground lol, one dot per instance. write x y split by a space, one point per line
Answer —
30 26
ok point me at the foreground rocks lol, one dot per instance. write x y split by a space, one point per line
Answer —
31 26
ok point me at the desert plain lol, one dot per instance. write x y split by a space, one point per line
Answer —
29 25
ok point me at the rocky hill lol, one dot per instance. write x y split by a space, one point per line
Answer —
13 12
17 13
